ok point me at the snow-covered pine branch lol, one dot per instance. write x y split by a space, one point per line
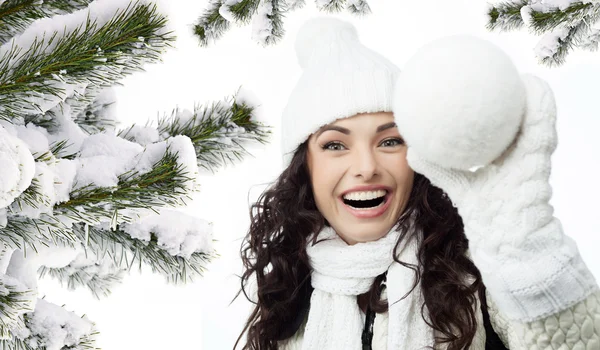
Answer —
16 15
51 327
98 275
79 202
563 24
267 17
126 251
56 58
218 131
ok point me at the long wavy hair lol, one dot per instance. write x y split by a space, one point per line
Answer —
276 263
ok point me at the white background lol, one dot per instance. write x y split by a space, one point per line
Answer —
145 313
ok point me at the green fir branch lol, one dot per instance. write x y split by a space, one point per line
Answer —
16 344
214 132
32 196
16 15
126 252
56 150
12 306
567 44
163 185
88 54
244 10
333 6
97 284
211 25
276 19
506 16
21 231
576 12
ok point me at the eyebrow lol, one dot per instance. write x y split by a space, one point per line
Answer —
343 130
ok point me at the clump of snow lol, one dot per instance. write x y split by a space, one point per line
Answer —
247 97
23 268
17 170
35 137
65 171
144 135
88 266
55 328
225 9
262 26
180 145
178 233
67 129
103 158
44 176
526 15
55 256
549 43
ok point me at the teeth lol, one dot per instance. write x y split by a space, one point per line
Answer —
364 195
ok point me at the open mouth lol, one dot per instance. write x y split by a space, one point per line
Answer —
368 203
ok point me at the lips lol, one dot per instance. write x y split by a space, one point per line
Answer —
368 212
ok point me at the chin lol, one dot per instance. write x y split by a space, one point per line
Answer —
361 238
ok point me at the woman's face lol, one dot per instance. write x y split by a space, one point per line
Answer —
360 177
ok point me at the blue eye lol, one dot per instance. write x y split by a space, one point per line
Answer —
326 146
398 140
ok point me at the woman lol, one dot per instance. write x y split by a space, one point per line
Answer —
353 247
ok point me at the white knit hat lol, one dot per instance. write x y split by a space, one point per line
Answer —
341 77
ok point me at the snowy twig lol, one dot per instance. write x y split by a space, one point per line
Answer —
564 24
38 73
125 251
267 17
16 15
218 132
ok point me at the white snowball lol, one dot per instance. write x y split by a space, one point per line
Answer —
459 102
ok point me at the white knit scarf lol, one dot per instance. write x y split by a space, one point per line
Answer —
341 272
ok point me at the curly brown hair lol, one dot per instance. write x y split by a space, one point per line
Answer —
274 253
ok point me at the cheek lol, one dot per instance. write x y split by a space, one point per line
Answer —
324 180
402 173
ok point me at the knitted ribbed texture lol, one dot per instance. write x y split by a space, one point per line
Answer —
577 328
532 269
340 272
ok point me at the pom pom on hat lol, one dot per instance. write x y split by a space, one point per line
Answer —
459 102
318 34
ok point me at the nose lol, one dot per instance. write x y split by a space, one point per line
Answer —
365 163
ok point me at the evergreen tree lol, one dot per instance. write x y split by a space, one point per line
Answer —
563 25
266 16
81 200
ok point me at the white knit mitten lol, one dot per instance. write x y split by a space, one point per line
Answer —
530 267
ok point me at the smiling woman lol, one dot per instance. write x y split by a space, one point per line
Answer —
352 249
361 180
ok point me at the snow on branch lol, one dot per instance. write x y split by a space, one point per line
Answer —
563 24
267 17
